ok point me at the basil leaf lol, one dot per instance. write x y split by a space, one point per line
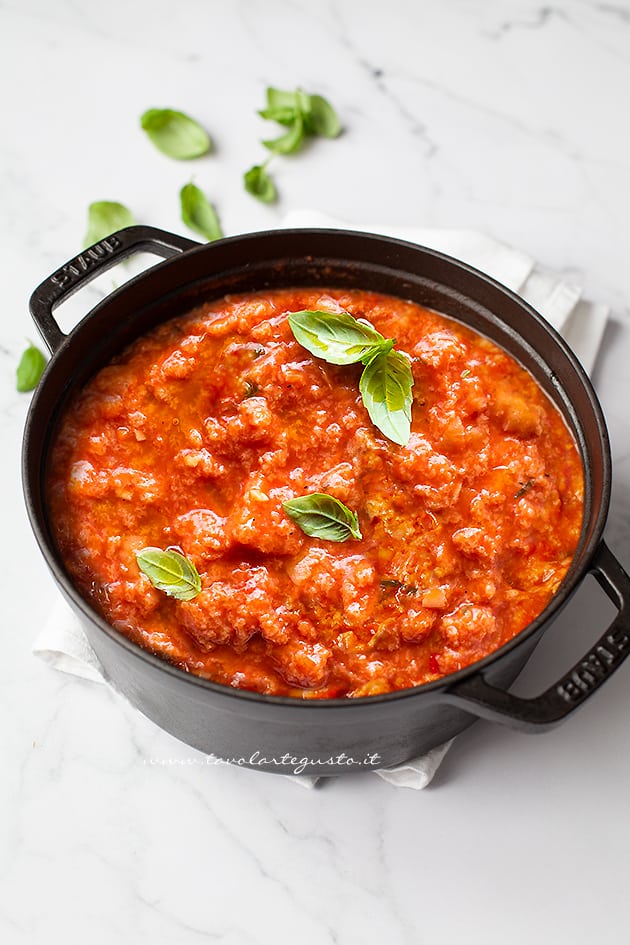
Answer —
286 107
386 380
290 142
30 369
170 572
322 118
303 114
276 98
175 134
258 183
322 516
385 387
336 337
303 104
383 347
104 218
284 116
198 214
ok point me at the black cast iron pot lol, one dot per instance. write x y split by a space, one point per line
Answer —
265 732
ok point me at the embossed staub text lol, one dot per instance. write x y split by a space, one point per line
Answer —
78 266
595 667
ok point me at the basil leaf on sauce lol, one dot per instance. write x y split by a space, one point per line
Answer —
322 516
104 218
259 184
336 337
385 387
30 369
198 214
170 572
386 381
175 134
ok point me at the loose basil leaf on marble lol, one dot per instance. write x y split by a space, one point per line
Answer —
30 369
322 119
291 141
175 134
277 98
320 515
281 106
284 115
385 387
258 183
336 337
170 572
104 218
198 214
285 107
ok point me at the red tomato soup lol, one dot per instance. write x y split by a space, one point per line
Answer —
195 436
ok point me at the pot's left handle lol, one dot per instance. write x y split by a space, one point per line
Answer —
91 263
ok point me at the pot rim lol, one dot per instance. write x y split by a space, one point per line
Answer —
579 567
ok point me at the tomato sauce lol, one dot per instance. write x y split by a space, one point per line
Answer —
194 437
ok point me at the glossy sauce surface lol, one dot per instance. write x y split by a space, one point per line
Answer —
195 436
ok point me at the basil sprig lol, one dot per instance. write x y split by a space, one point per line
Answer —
322 516
198 214
170 572
30 369
104 218
175 134
386 381
302 114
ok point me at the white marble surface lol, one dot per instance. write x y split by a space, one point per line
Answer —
507 117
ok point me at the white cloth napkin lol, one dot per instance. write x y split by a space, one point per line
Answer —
62 643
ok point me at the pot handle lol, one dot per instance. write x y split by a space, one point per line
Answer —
92 262
575 687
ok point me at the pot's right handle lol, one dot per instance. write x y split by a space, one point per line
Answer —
605 656
92 262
